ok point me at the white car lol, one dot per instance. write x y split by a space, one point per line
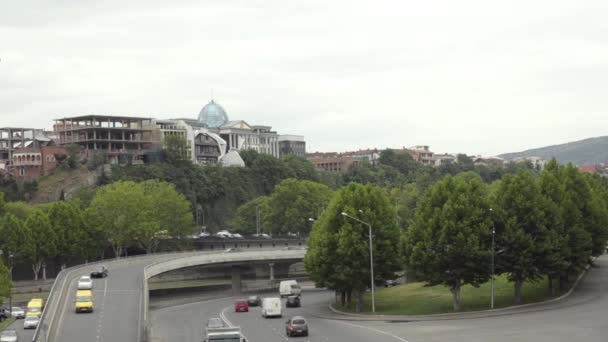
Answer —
262 235
17 312
237 236
223 234
204 234
31 322
85 283
8 336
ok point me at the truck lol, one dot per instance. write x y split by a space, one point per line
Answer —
271 307
289 288
224 334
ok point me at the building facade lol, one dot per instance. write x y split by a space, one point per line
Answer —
292 144
30 163
122 138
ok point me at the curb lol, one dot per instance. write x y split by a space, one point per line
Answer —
513 309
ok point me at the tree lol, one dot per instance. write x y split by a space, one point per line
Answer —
522 235
73 151
5 282
40 241
245 220
449 243
68 224
405 199
403 162
12 240
20 210
293 202
338 248
300 168
176 149
115 210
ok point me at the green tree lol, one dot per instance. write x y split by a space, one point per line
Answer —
176 149
245 220
449 243
116 209
5 282
267 170
405 199
40 242
403 162
300 168
21 210
338 248
68 224
12 240
73 152
521 229
293 203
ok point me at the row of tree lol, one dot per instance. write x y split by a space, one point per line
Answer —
535 225
122 214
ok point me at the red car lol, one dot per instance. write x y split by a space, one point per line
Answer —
241 305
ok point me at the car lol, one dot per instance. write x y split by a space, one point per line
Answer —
231 250
34 307
31 322
215 322
17 312
84 301
262 235
204 234
293 302
85 283
100 272
241 305
8 335
254 300
223 234
296 326
237 236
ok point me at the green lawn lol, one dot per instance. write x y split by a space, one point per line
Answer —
416 299
6 323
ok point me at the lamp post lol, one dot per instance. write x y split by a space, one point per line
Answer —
371 258
10 294
492 265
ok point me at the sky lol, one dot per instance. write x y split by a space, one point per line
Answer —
470 76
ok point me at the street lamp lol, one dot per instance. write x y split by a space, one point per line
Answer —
371 257
492 264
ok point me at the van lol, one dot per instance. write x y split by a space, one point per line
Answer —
84 301
34 307
271 307
289 288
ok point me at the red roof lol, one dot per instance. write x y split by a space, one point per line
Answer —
588 168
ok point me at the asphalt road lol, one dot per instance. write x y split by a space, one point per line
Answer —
186 323
582 317
24 335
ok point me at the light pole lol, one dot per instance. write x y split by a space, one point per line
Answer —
371 258
492 265
10 294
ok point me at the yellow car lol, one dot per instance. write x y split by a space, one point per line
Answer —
34 307
84 301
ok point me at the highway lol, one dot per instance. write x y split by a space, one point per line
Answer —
120 299
580 317
185 323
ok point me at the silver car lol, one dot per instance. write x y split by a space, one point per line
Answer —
85 283
17 312
31 322
8 336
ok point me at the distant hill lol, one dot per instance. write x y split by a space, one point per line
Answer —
588 151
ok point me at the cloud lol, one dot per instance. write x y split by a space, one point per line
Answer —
471 76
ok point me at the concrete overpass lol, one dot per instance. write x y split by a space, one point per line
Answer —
121 299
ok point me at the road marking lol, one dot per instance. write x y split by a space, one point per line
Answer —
374 330
105 287
227 321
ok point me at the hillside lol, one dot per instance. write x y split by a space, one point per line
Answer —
68 181
587 151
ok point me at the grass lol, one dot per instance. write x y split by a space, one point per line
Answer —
6 323
417 299
26 296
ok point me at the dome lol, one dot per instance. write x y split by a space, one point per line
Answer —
212 115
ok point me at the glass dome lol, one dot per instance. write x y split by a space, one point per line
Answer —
213 115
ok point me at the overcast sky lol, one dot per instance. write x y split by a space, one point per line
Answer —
472 76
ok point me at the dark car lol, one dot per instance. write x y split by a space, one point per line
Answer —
100 272
254 300
241 306
293 302
296 326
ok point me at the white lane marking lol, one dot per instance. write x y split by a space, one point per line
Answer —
105 287
227 321
374 330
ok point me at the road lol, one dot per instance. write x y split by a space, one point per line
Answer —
580 317
185 323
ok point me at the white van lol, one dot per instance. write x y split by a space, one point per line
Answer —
271 307
289 288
